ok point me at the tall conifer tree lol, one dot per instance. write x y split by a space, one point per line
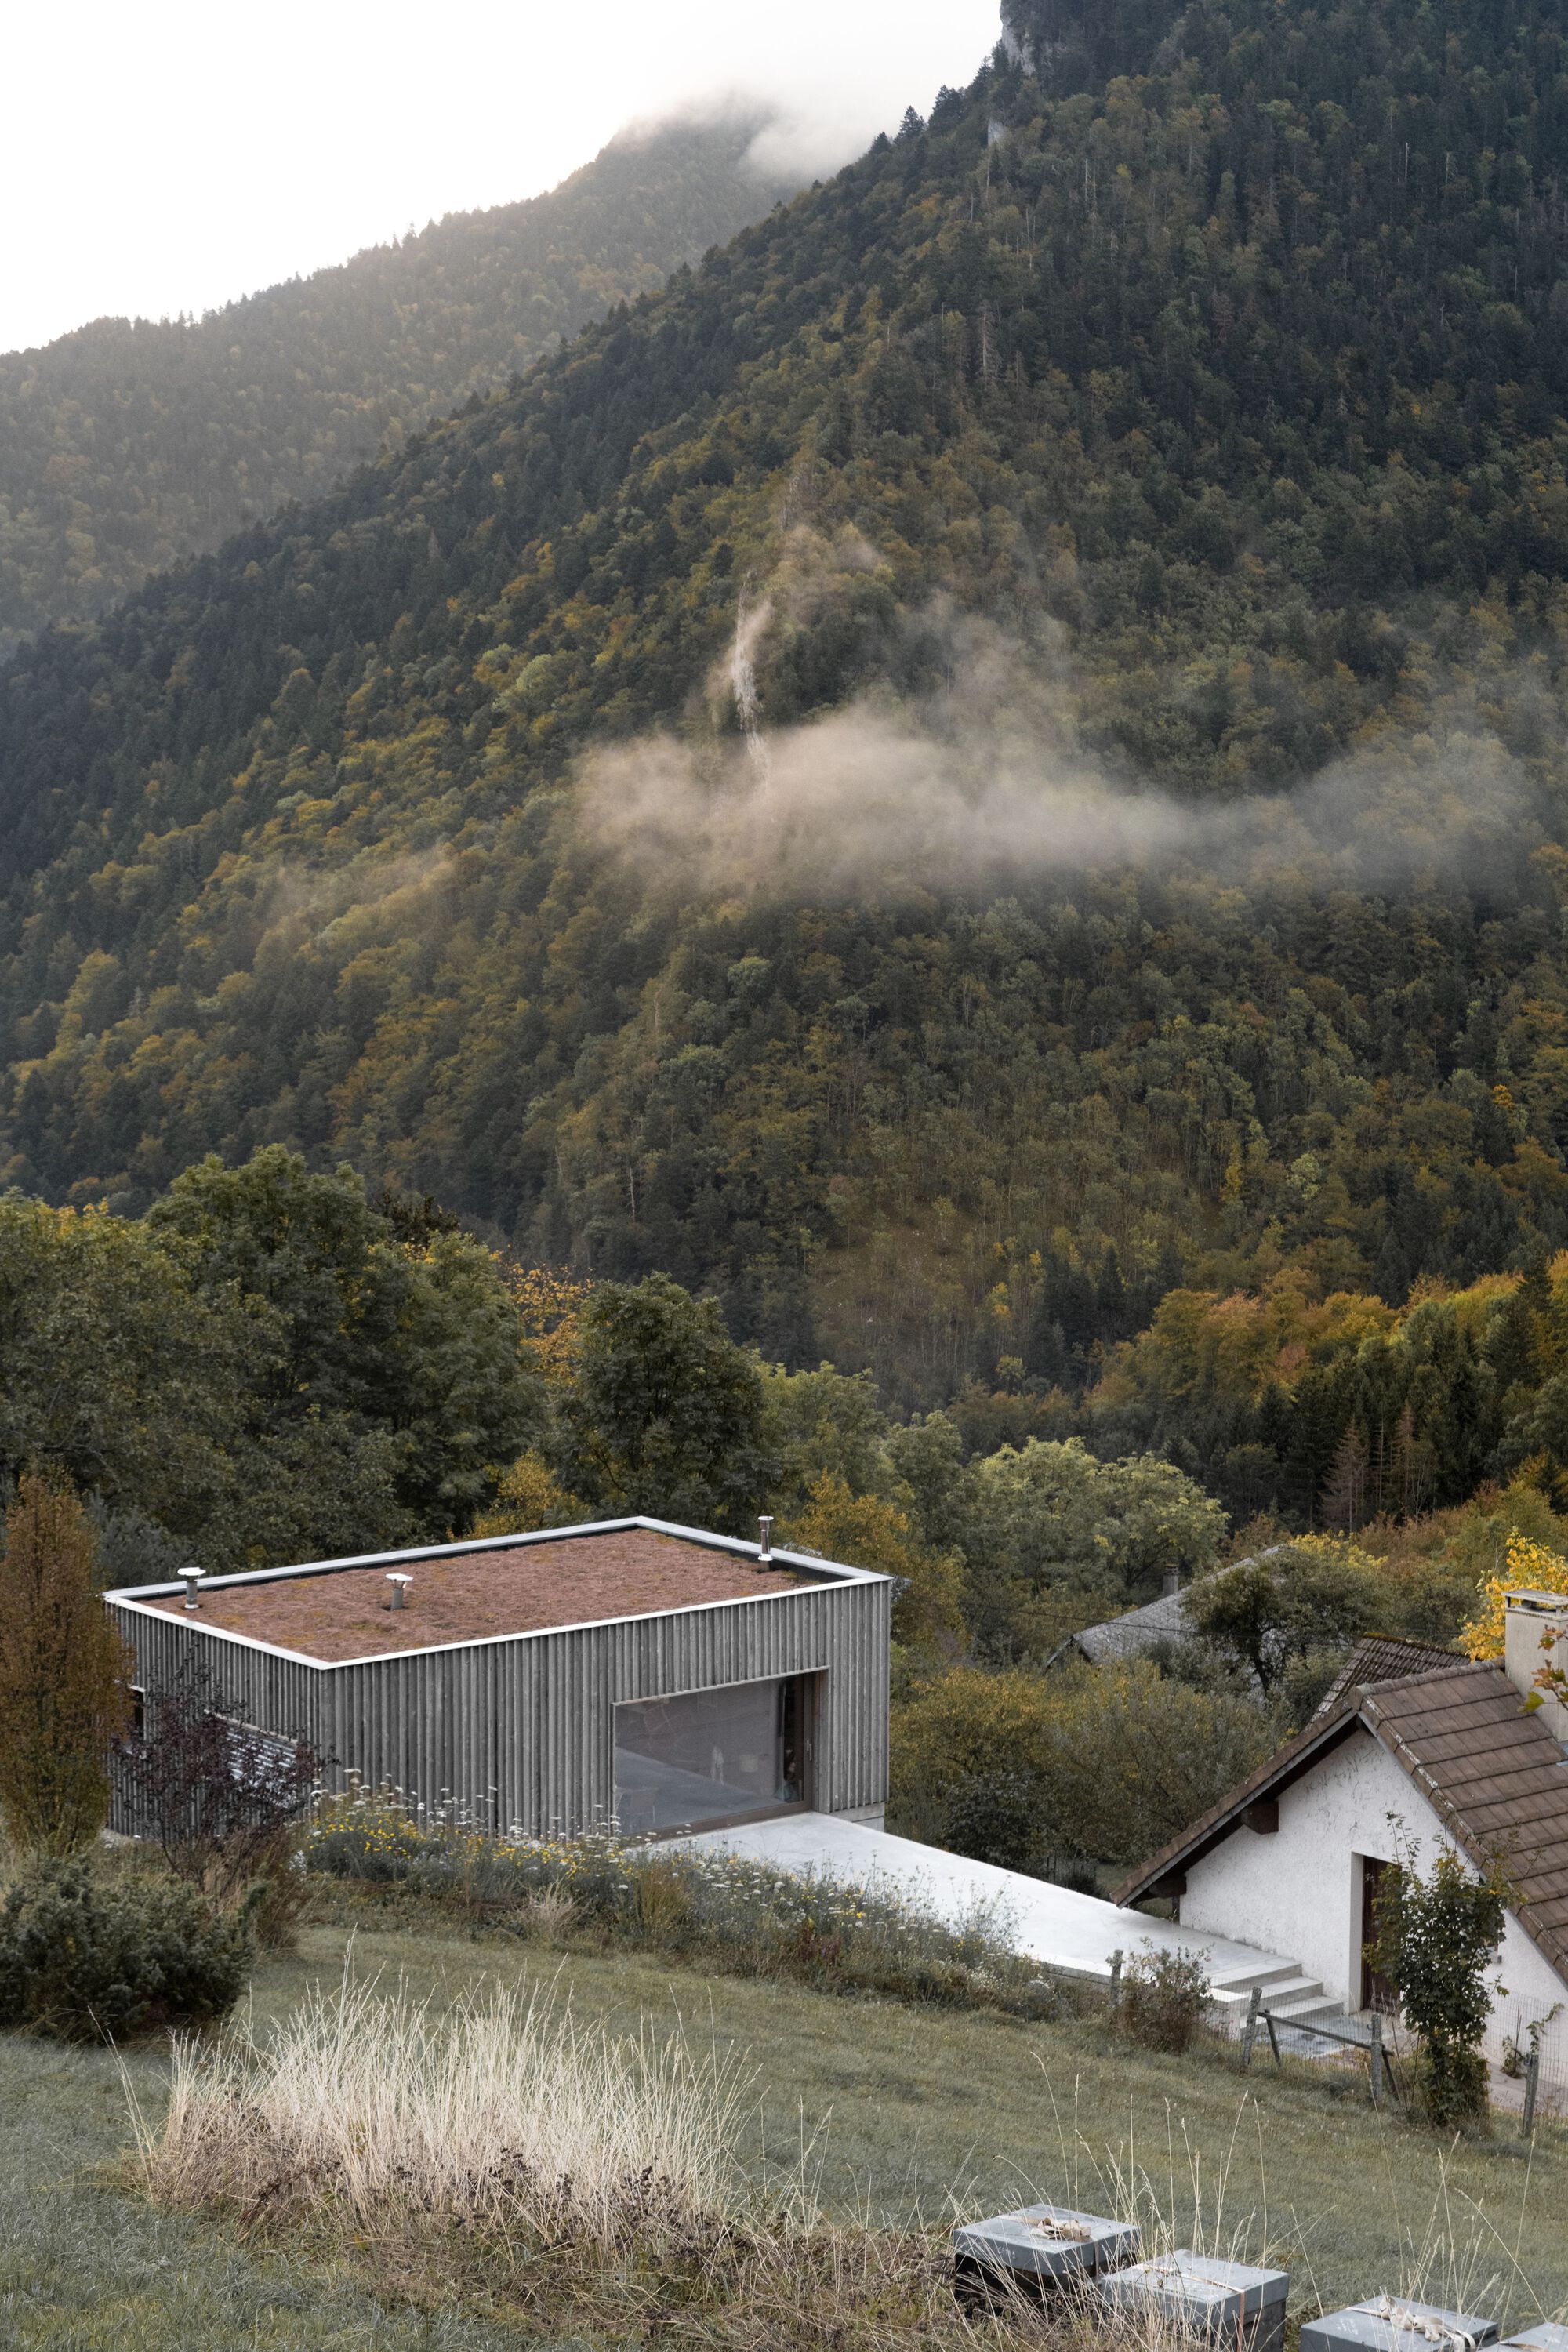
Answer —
63 1691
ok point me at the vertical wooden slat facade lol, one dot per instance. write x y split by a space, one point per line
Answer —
519 1729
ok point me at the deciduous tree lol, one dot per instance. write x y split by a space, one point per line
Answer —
391 1340
1435 1938
666 1415
1058 1536
866 1531
1264 1613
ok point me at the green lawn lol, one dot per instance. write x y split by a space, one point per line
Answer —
904 2113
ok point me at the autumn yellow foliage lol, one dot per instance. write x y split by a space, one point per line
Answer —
529 1497
869 1532
1531 1564
549 1304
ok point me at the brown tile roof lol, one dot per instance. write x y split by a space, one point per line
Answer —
1381 1659
1494 1775
1331 1722
342 1613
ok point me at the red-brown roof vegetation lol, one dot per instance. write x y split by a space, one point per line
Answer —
569 1581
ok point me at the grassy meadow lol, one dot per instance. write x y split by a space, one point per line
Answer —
889 2114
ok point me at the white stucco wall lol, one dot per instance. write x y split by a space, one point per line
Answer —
1297 1889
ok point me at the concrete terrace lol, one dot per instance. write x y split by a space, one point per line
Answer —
1053 1924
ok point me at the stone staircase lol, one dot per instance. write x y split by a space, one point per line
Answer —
1290 1996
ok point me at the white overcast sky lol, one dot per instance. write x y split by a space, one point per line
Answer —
158 156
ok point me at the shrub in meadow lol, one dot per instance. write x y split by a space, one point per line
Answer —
1164 1996
1435 1938
88 1957
220 1801
364 1837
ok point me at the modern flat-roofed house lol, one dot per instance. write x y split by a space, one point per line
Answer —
660 1675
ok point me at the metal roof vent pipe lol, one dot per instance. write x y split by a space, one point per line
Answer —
400 1584
191 1578
766 1549
1173 1582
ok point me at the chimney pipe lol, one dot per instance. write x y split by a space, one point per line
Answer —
1173 1582
191 1578
766 1549
400 1584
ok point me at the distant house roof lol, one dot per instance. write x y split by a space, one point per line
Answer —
1381 1659
1138 1631
1135 1633
333 1611
1494 1776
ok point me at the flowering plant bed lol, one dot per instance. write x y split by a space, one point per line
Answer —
726 1910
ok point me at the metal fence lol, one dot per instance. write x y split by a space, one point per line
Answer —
1528 2054
1531 2079
1367 2044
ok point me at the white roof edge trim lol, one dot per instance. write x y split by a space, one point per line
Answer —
739 1545
137 1596
478 1641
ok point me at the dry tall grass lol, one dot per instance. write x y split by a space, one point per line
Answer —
503 2154
502 2113
499 2155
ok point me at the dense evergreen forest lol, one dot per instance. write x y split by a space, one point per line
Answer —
133 443
979 775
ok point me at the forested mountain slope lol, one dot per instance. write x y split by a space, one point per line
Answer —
130 444
775 796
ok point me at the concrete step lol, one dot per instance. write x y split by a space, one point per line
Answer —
1267 1970
1292 1994
1316 2008
1288 1985
1285 1998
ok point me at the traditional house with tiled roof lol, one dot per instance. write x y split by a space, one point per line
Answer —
1381 1659
1412 1750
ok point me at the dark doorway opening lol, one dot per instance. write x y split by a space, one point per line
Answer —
1377 1991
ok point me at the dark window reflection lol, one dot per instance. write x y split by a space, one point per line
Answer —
713 1755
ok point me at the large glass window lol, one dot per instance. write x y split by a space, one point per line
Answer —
713 1755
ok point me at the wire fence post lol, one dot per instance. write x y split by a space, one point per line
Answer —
1115 1982
1249 2031
1375 2056
1532 2082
